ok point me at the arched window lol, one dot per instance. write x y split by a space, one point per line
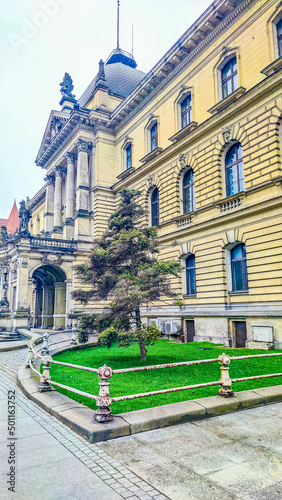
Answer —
186 111
279 37
155 207
239 268
128 156
229 79
190 275
234 173
188 192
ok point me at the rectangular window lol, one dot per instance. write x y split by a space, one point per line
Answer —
279 37
186 111
154 137
191 275
128 157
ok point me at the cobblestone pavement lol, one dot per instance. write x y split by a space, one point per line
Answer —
53 462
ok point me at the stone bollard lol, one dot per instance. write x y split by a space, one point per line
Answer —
104 414
44 385
226 390
74 335
45 348
30 356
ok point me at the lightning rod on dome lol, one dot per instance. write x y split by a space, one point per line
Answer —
117 24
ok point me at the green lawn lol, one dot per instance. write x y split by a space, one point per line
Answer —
162 352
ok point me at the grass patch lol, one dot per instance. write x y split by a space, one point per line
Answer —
162 352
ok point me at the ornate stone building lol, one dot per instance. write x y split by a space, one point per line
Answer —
200 136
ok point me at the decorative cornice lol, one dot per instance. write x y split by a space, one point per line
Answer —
183 132
227 100
151 155
179 66
272 67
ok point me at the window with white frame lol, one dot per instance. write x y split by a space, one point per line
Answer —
229 77
234 171
189 275
239 274
153 136
188 191
185 109
127 156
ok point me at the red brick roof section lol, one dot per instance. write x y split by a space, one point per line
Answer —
13 222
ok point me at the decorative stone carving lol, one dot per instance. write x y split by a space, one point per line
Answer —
55 126
49 179
82 146
70 157
150 180
24 216
227 131
183 159
67 86
58 171
52 259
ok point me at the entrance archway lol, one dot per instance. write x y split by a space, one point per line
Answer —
50 297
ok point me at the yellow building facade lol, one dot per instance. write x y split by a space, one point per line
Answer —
200 136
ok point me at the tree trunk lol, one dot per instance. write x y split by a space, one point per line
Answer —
143 350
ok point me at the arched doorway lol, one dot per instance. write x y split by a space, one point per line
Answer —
50 297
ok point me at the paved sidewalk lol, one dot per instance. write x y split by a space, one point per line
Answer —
228 457
53 462
233 456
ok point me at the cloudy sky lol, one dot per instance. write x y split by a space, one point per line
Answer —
41 39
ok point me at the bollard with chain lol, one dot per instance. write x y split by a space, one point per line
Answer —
44 385
104 414
30 356
225 381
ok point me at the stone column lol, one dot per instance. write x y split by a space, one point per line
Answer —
82 181
49 204
70 187
58 200
68 229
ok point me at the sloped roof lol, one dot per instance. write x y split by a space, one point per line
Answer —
121 80
13 222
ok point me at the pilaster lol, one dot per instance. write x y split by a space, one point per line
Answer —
49 204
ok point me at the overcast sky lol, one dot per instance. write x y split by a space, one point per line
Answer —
40 40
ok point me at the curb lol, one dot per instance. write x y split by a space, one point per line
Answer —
80 418
12 346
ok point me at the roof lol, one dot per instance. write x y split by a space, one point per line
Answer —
13 222
121 76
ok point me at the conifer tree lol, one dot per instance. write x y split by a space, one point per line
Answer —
124 269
